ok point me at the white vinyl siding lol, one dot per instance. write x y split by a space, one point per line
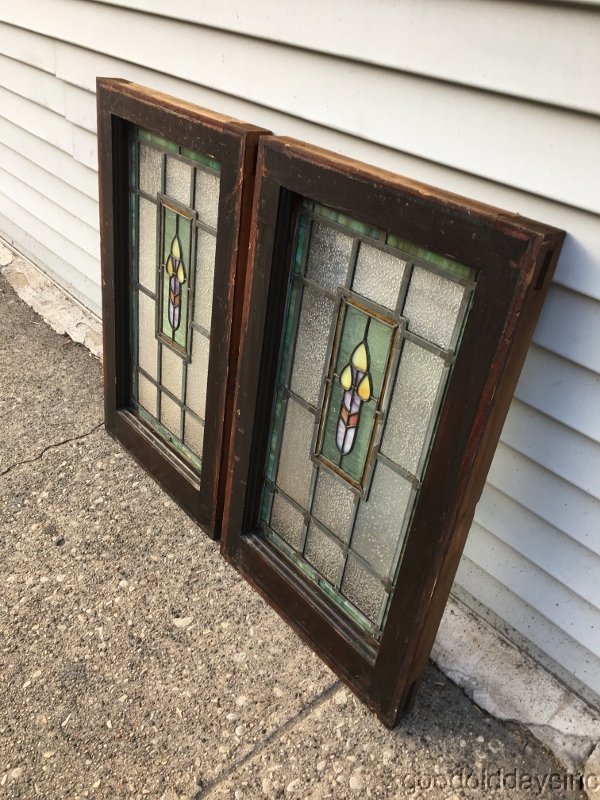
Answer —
496 101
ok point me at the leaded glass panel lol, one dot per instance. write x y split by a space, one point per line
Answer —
370 335
174 197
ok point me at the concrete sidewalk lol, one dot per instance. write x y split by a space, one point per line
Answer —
135 663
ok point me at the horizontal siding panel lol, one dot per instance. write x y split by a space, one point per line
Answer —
63 222
570 327
65 196
542 53
561 504
34 84
45 233
28 47
573 565
562 390
569 612
34 241
55 161
51 127
80 108
410 111
560 449
579 265
566 651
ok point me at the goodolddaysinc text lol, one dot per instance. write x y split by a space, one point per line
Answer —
488 781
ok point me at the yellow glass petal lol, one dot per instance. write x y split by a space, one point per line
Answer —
170 269
360 358
346 377
180 273
175 248
364 388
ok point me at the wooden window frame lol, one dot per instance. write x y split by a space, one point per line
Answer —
515 259
233 144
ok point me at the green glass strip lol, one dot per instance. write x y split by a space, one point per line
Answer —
295 291
181 448
152 137
427 255
265 506
274 435
302 223
133 164
208 162
348 222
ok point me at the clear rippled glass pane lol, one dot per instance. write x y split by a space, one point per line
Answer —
147 245
171 374
311 345
432 306
179 180
379 520
147 344
197 375
170 415
363 589
333 504
328 256
205 272
322 553
147 394
295 467
150 170
378 275
206 201
412 405
287 521
193 435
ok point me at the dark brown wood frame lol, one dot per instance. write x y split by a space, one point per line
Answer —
515 259
233 144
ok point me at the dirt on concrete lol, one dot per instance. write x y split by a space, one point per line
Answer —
135 663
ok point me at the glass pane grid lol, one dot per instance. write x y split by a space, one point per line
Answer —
347 541
172 273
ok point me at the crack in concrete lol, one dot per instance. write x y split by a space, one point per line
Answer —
272 737
51 447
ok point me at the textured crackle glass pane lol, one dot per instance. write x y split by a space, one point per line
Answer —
378 275
311 345
287 521
206 201
150 169
205 272
147 245
333 504
328 256
197 375
171 372
432 306
379 520
193 435
147 395
170 415
147 343
295 467
419 376
363 589
323 553
179 177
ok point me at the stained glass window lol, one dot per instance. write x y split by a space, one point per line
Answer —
371 331
174 200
